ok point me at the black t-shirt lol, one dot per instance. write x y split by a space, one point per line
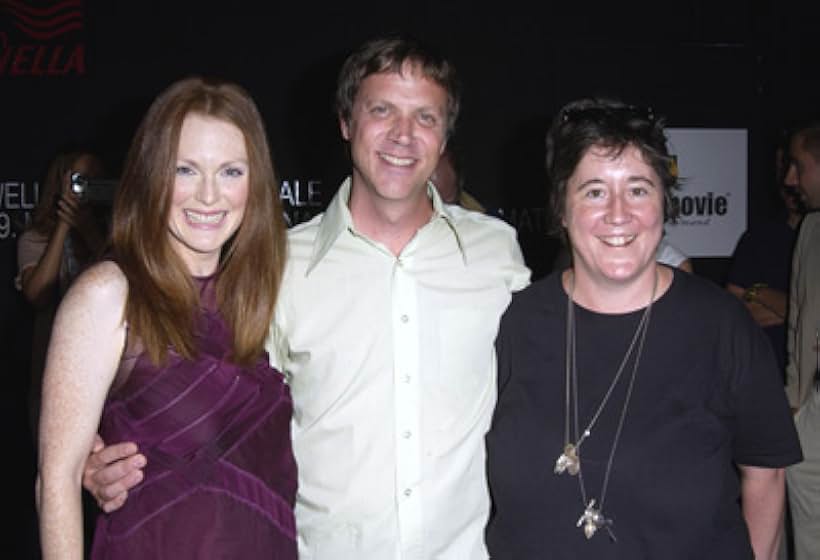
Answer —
707 397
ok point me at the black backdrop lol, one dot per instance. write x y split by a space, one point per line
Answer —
84 71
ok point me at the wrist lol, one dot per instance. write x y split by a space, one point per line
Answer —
751 293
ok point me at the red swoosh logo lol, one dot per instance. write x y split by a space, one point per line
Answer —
45 23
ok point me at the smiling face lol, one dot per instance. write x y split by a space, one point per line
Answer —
614 216
210 191
397 131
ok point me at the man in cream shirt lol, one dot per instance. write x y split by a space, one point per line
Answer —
385 329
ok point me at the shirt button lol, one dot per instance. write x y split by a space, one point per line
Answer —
407 492
406 379
404 318
407 434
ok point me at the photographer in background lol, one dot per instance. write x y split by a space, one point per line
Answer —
64 236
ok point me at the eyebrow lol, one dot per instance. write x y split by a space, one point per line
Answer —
367 101
588 182
630 179
438 109
231 161
640 178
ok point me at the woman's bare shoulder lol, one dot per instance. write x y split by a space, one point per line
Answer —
101 285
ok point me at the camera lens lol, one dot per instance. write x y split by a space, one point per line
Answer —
78 183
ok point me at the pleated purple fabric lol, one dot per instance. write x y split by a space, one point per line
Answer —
221 477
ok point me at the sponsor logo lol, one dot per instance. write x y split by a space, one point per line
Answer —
699 209
526 220
44 41
707 204
17 203
302 200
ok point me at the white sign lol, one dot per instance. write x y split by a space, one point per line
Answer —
713 164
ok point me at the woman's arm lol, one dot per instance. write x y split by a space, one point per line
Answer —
767 305
763 498
38 280
83 355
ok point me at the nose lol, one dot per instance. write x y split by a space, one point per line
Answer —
616 211
791 179
207 191
401 130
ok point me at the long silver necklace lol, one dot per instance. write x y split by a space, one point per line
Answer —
569 461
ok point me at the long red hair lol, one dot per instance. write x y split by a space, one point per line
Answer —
162 300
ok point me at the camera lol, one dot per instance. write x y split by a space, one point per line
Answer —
99 191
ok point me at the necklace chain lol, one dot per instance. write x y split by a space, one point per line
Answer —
570 460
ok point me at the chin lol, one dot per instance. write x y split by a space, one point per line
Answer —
623 272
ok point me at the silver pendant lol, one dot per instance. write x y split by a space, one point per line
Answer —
592 519
568 461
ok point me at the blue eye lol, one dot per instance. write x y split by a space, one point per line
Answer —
428 119
234 172
184 170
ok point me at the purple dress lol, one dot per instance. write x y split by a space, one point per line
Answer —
221 477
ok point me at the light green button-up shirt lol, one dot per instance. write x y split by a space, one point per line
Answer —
391 364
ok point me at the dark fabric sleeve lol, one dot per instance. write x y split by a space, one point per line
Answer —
764 435
743 265
503 350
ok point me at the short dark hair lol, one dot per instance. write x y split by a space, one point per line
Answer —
808 130
392 54
613 125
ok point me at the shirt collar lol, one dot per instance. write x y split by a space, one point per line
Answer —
337 219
